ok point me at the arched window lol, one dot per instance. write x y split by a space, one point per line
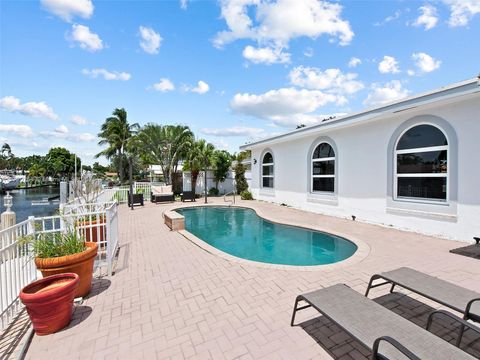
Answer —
323 168
422 164
267 170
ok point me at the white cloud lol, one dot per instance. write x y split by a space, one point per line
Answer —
34 109
385 94
388 65
428 19
183 4
410 72
308 52
20 130
390 18
151 40
265 55
425 63
286 106
79 120
164 85
201 88
233 131
107 75
354 62
273 24
220 144
62 132
462 11
67 9
86 39
62 129
82 137
330 80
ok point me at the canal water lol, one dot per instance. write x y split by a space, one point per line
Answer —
23 198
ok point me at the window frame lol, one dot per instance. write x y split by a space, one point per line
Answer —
272 164
334 176
421 175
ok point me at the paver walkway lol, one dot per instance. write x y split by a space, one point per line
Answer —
171 299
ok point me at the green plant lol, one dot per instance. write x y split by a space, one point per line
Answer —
48 245
213 192
246 195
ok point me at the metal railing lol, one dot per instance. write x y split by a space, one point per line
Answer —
17 268
225 197
96 222
120 193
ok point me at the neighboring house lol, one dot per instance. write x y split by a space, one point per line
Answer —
413 164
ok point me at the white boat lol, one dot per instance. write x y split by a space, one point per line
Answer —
9 180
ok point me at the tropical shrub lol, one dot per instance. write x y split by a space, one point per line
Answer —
246 195
213 192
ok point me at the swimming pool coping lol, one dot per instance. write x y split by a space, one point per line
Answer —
359 255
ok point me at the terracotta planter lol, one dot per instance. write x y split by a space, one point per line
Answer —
49 302
80 264
94 230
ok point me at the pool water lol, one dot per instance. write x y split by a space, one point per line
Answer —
242 233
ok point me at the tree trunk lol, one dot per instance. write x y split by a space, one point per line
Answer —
120 167
206 190
194 175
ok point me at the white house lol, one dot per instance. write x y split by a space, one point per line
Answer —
413 164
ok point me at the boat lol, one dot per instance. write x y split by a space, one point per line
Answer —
9 180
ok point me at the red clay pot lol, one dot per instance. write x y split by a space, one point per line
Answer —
94 230
80 264
49 302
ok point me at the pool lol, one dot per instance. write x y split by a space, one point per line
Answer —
242 233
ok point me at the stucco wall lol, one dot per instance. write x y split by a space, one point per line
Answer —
364 175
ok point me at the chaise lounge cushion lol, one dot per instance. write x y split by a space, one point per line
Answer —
162 190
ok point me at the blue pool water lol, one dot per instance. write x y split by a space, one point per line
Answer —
241 232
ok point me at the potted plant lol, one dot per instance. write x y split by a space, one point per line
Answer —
66 252
49 302
93 228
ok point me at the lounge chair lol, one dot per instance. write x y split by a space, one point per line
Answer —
162 193
137 199
385 333
465 301
187 195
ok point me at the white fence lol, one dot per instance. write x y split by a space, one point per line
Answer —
224 187
17 268
120 193
95 222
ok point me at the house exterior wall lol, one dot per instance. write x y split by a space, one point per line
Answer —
364 172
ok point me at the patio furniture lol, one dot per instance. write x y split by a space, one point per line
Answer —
187 195
385 333
455 297
472 251
137 199
162 194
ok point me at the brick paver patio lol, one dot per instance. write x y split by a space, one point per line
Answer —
170 299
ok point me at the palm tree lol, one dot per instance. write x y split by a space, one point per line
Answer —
194 161
205 155
165 146
115 133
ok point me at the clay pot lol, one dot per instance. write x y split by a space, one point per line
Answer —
49 302
94 230
80 264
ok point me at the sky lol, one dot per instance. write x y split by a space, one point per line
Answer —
232 70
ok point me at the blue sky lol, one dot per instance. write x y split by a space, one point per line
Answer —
232 70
